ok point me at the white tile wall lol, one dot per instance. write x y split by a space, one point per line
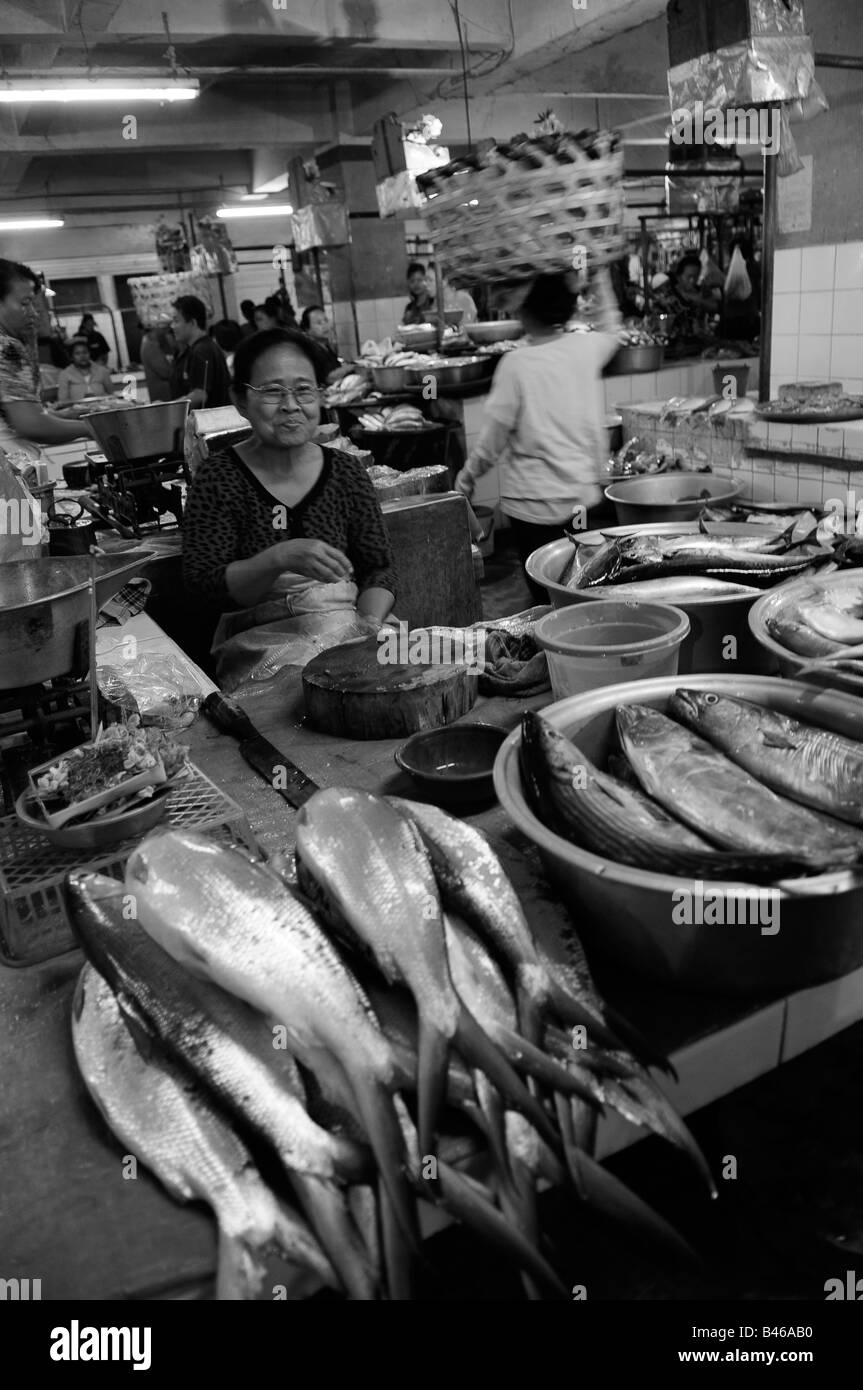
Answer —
818 315
849 266
818 268
816 310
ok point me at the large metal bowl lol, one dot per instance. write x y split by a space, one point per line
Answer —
626 914
494 331
785 600
668 496
141 432
389 380
457 373
417 335
41 604
712 621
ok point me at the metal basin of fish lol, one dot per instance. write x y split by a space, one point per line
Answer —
629 914
668 496
783 606
713 619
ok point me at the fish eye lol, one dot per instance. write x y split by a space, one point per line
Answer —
711 699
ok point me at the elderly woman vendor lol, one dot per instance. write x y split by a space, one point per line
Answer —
286 535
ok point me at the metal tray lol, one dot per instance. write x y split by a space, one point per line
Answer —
808 417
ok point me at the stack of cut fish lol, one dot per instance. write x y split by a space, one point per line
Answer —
685 568
828 621
341 1023
721 789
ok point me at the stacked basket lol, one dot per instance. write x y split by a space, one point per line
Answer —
545 203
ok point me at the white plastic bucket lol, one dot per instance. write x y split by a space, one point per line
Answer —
589 645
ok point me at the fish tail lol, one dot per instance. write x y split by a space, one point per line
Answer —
529 1059
494 1126
240 1268
397 1255
530 1014
574 1013
378 1114
584 1126
466 1201
432 1071
327 1211
638 1044
480 1051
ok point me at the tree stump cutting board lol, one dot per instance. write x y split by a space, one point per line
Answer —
349 693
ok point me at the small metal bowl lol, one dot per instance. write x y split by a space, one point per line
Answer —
95 834
495 331
455 763
389 380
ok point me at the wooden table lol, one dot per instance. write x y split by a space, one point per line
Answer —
68 1216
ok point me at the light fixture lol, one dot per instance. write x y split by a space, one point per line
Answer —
29 224
253 197
36 89
273 210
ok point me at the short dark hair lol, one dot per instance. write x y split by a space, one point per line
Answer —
227 333
250 349
247 308
550 300
689 258
78 342
413 268
307 315
11 271
191 308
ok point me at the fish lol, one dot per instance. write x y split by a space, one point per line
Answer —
364 868
831 622
810 765
682 588
168 1124
649 557
229 1048
799 637
230 921
473 884
717 799
618 822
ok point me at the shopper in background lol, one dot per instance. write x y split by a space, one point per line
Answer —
420 306
264 319
83 377
23 419
98 345
200 371
544 419
315 322
157 350
248 326
228 334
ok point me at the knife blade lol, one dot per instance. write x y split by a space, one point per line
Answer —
268 761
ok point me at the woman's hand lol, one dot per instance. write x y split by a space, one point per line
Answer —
313 558
465 484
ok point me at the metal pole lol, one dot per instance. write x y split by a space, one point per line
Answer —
768 251
645 258
439 302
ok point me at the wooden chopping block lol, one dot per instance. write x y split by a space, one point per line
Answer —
349 693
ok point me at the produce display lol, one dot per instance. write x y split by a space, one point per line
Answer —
409 1000
124 763
637 457
350 388
823 622
812 400
718 788
393 419
644 559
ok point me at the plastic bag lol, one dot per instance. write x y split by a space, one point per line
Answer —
161 687
21 526
738 285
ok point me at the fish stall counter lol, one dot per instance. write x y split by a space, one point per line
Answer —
69 1211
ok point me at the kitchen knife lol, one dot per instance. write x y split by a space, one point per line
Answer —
258 752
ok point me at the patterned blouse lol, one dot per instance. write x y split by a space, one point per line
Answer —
19 370
230 515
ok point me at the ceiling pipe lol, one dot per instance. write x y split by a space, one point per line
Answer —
838 60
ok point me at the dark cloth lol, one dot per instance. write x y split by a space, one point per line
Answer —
202 367
329 360
229 516
528 537
418 308
97 344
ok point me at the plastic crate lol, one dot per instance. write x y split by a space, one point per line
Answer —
34 916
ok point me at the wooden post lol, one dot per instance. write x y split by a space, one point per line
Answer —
768 251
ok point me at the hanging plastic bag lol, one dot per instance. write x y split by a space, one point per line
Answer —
738 285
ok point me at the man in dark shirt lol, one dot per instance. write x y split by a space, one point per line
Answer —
314 322
420 306
200 370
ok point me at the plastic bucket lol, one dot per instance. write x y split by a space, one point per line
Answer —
589 645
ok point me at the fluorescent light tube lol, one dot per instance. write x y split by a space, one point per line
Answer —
29 224
274 210
83 90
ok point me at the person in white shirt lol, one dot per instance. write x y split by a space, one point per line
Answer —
544 419
83 378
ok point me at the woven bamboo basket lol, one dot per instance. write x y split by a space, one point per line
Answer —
508 222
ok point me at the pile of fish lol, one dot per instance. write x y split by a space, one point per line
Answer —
348 1025
718 788
687 567
828 621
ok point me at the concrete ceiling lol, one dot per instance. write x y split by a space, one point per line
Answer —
293 75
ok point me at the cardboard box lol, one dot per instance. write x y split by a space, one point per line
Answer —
704 26
388 154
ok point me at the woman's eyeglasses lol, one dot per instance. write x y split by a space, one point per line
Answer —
274 395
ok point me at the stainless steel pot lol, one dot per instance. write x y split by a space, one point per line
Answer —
628 914
41 604
456 373
492 331
141 432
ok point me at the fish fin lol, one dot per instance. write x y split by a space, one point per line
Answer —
397 1255
326 1209
138 1026
494 1127
573 1012
570 1149
531 1060
529 1011
615 1200
464 1200
240 1268
433 1065
584 1126
378 1114
478 1049
771 740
